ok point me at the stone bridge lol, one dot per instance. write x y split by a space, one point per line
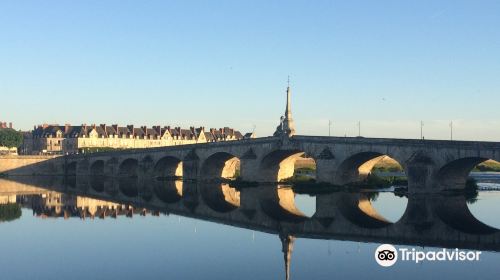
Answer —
430 165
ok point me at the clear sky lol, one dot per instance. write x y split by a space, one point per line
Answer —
388 64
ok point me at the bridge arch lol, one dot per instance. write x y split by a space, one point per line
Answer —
358 209
83 167
129 168
358 167
278 165
129 186
168 191
392 206
454 212
454 174
481 205
220 197
97 168
97 183
168 167
220 165
111 186
279 204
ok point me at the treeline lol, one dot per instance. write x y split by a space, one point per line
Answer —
90 150
488 166
10 212
10 138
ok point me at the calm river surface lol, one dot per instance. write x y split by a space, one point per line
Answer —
48 243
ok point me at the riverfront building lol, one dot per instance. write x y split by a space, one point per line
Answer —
4 125
68 139
60 205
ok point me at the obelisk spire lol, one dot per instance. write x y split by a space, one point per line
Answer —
287 126
288 110
287 242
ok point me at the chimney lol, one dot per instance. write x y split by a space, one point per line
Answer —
66 127
157 129
115 127
130 127
10 125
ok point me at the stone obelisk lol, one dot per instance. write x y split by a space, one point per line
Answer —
287 126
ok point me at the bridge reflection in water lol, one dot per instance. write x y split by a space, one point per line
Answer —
438 220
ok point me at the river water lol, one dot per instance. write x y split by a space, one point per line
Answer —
52 239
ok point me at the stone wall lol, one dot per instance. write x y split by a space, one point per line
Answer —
31 165
9 189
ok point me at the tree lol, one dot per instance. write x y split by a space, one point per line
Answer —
10 138
10 212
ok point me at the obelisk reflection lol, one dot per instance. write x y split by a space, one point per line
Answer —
287 242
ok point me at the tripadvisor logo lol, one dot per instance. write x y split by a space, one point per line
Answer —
387 255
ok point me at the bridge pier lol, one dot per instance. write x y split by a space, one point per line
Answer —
190 170
420 177
419 214
190 195
249 202
145 188
145 169
83 168
326 211
325 170
249 169
111 167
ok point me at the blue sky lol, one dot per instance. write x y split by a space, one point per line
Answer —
388 64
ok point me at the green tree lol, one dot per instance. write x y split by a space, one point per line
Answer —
10 212
10 138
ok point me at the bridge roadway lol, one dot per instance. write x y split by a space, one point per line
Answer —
439 220
430 165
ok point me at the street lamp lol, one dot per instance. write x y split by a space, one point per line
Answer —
329 128
451 130
421 129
